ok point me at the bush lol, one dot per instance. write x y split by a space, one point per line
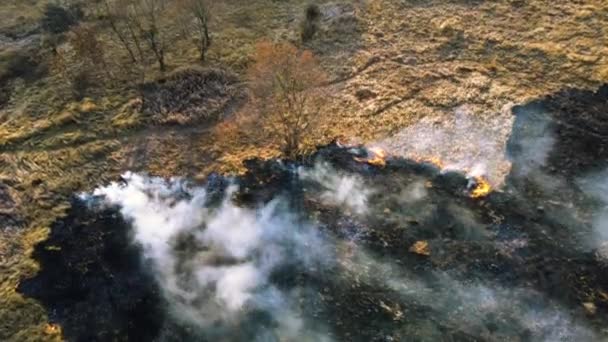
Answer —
15 64
312 12
309 25
81 83
58 19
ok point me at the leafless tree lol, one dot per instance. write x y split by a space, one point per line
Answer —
146 16
139 23
81 61
199 13
114 14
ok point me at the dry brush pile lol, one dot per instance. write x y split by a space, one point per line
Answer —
191 95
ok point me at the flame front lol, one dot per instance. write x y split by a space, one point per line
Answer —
52 329
377 158
430 160
482 188
421 248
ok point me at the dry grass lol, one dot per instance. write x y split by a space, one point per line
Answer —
18 15
421 59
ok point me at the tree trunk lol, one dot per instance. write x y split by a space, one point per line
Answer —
123 40
116 30
161 62
136 41
158 50
205 41
203 51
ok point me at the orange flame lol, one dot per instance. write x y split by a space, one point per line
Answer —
421 248
430 160
52 329
482 188
378 157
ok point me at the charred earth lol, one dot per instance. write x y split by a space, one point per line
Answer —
348 245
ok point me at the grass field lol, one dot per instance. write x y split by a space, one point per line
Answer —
413 59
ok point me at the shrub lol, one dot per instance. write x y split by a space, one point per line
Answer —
312 12
15 64
81 82
58 19
309 25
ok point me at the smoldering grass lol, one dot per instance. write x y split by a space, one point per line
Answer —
215 264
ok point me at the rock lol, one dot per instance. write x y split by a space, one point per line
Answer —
365 94
337 11
409 60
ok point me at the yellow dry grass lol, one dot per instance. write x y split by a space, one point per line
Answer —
418 60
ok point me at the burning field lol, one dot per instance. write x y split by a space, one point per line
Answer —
349 244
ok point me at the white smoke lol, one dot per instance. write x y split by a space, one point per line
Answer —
536 143
413 193
471 305
214 264
464 142
343 190
596 186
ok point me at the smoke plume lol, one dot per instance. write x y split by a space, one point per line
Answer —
338 189
215 262
478 308
463 142
220 265
596 186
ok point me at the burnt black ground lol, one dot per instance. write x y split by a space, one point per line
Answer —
93 279
94 284
580 123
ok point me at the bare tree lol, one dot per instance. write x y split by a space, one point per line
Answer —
146 15
285 87
199 14
81 61
114 15
88 47
137 23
